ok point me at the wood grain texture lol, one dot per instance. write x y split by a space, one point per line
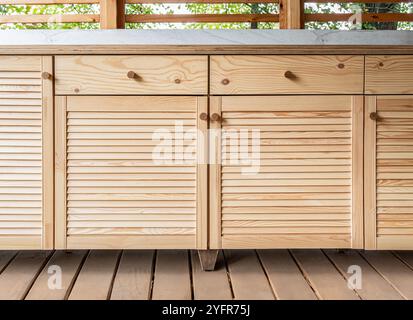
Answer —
172 280
285 193
265 74
26 213
17 278
134 276
390 74
393 270
108 75
64 264
286 279
373 286
212 285
393 158
94 281
248 279
327 283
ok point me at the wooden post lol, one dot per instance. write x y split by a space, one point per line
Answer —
291 14
112 14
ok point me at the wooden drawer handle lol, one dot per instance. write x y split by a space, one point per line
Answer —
46 76
290 75
203 116
216 117
374 116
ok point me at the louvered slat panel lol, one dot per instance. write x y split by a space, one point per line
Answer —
21 153
302 191
394 171
119 191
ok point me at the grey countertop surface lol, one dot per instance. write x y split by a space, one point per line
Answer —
205 38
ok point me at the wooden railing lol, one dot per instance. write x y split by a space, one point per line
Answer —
112 13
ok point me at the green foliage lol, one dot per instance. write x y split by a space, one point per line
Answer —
201 8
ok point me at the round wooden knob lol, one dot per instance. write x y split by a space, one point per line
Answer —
374 116
203 116
215 117
132 75
225 82
289 75
46 75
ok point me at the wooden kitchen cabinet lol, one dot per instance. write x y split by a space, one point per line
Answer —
389 172
306 191
26 152
113 190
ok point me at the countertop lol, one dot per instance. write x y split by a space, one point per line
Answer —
203 41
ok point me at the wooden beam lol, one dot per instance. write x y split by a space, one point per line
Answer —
108 14
366 17
211 18
291 14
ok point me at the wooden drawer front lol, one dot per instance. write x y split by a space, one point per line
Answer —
286 74
155 75
389 74
389 168
23 122
307 191
117 196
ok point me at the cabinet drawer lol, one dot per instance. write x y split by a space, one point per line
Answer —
286 74
389 74
157 75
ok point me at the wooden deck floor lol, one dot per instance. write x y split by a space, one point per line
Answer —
248 274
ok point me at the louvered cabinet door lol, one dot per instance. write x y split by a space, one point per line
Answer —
129 172
288 172
389 172
26 153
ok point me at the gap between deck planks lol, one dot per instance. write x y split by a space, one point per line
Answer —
177 275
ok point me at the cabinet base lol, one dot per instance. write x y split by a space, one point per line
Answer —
208 259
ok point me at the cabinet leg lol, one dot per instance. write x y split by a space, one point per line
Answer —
208 258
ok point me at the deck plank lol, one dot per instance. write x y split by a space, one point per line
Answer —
17 278
134 276
285 277
325 279
212 285
248 279
5 258
406 256
69 263
393 270
172 278
95 277
373 285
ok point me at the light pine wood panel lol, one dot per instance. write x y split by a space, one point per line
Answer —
393 270
123 188
62 264
94 281
279 197
285 277
26 153
248 279
389 74
89 75
134 276
388 203
373 285
246 74
18 277
172 279
210 285
323 276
